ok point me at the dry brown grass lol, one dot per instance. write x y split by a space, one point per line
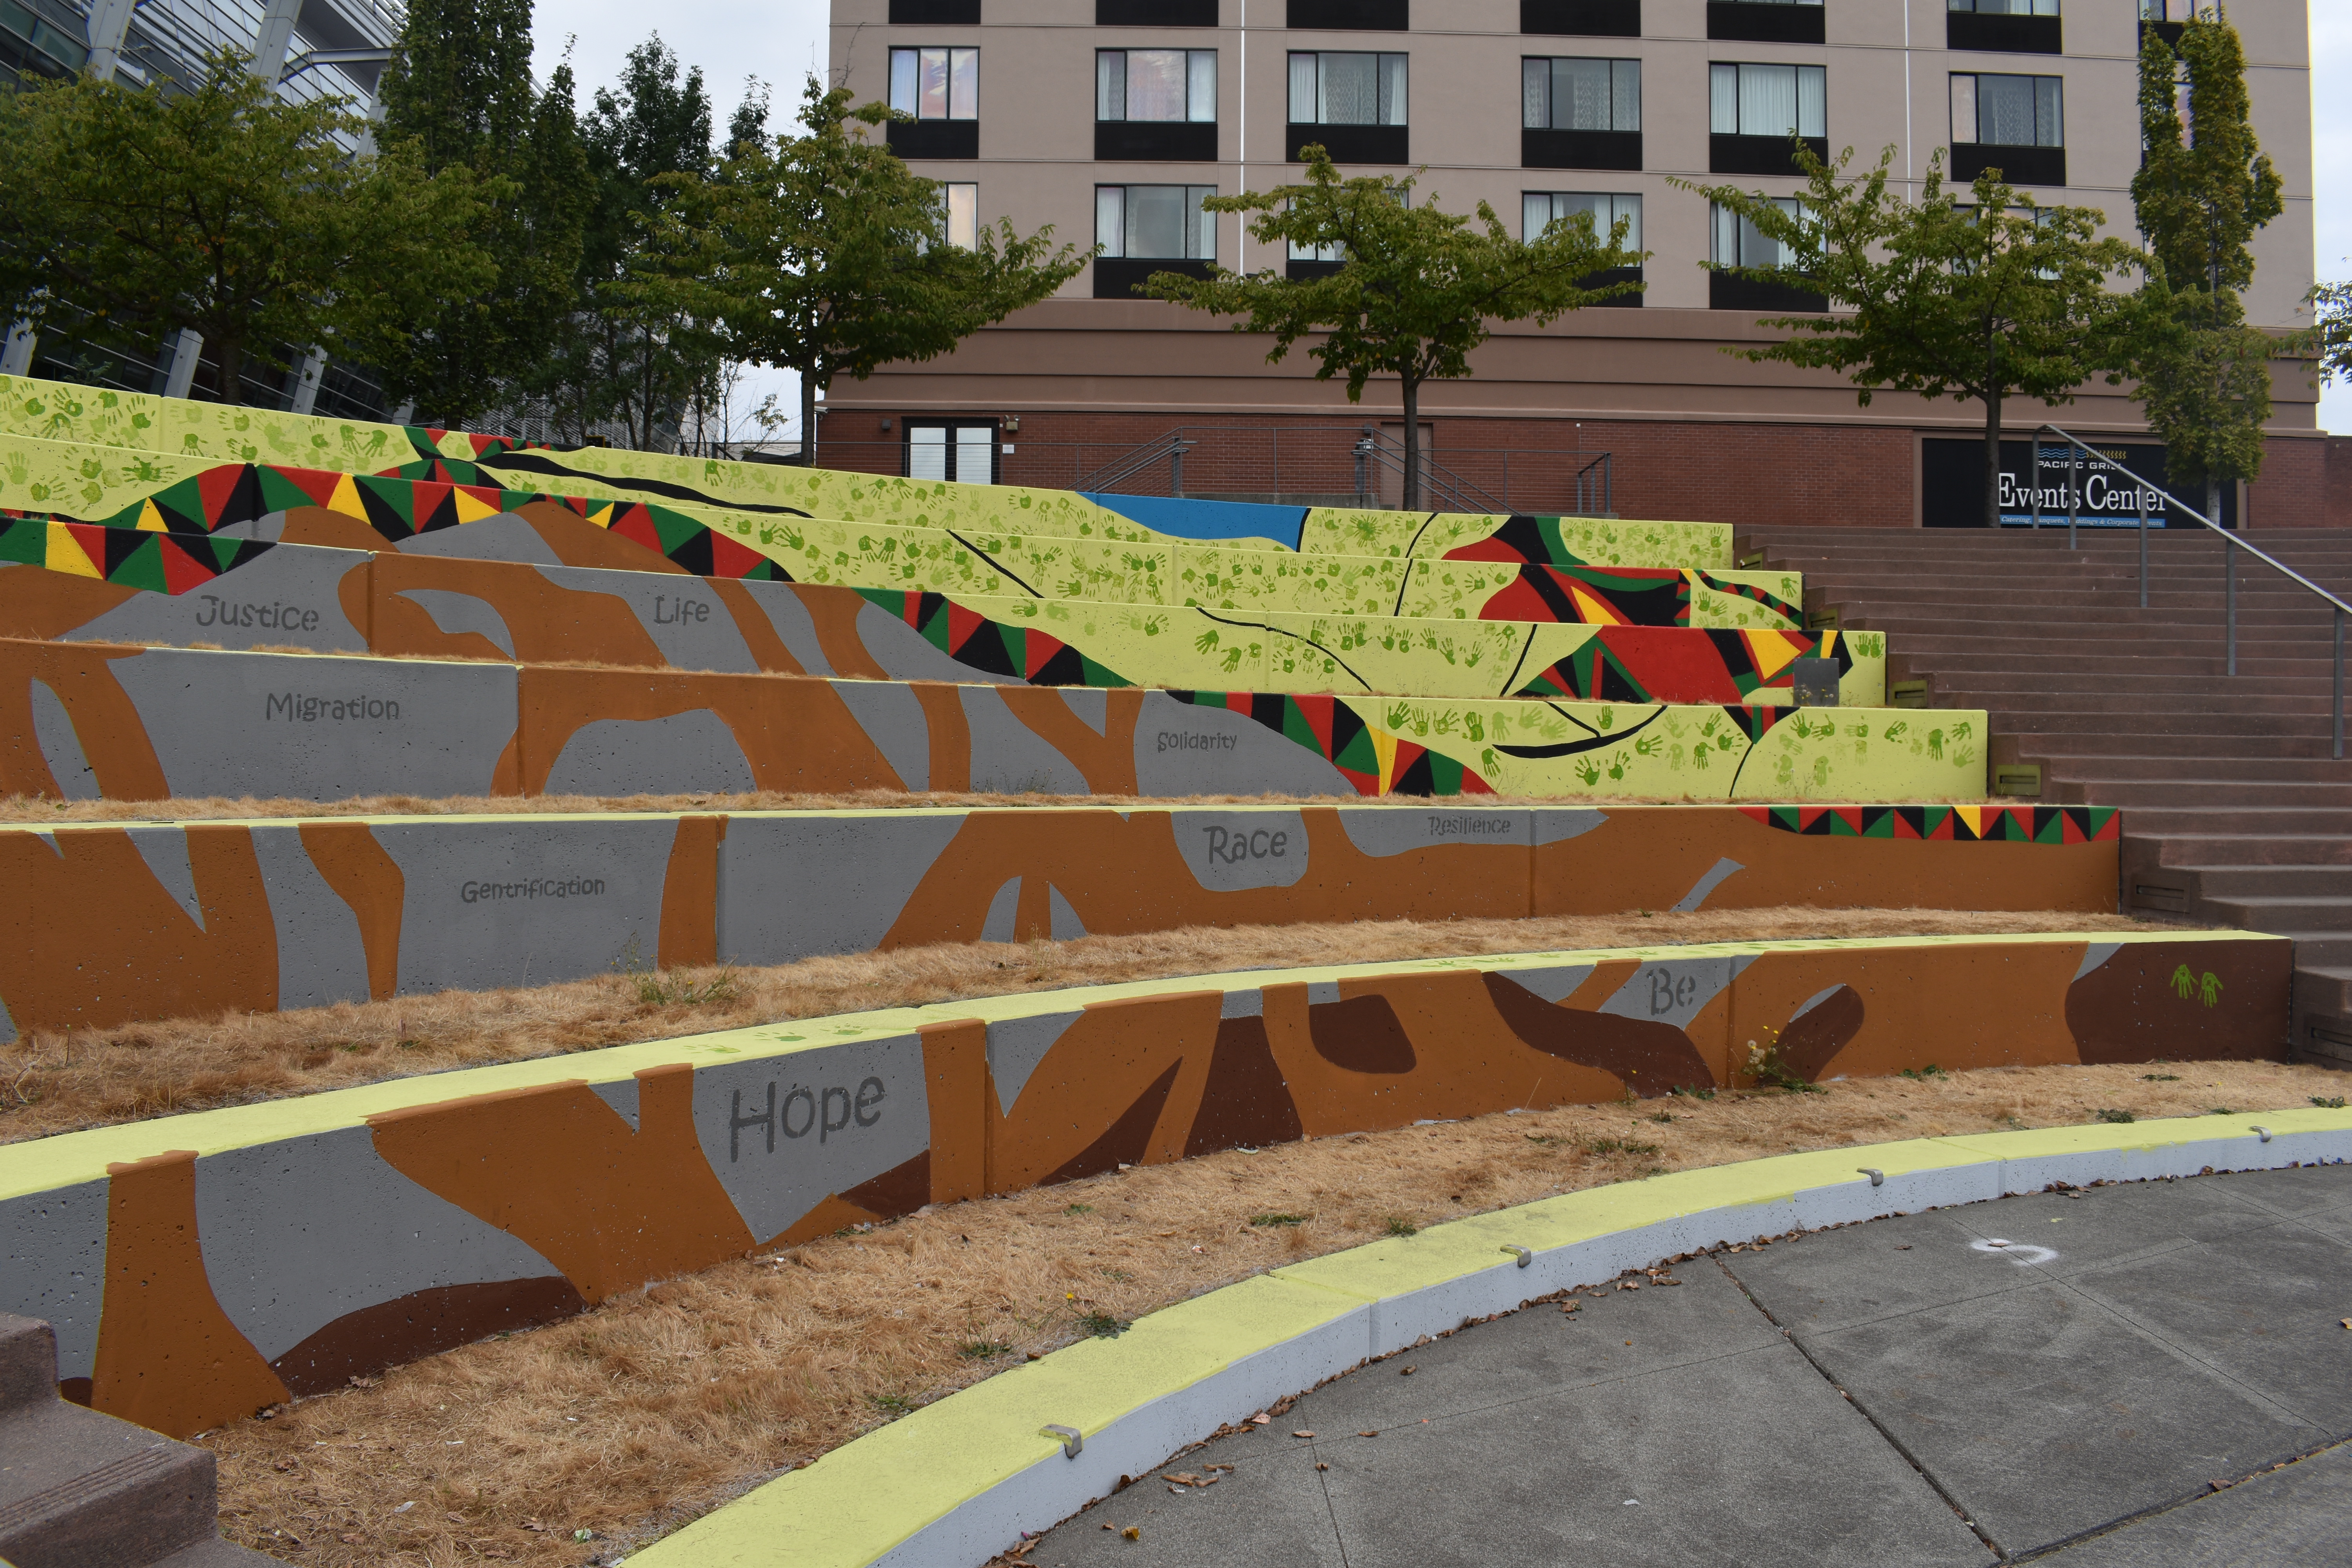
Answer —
661 1404
41 811
53 1083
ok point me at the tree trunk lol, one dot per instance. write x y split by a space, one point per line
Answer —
2214 498
1412 443
808 420
229 354
1992 459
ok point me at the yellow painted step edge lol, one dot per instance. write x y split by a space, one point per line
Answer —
959 1481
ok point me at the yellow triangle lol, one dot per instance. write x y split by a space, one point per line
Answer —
150 519
65 553
1771 651
602 517
1592 611
1974 816
1384 747
346 499
472 508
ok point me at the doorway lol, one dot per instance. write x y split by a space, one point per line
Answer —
960 450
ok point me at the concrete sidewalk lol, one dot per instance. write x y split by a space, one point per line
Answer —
2059 1375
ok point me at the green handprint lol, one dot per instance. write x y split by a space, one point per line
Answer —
2183 982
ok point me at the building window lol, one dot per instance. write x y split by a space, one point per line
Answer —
1754 110
2004 26
962 452
959 213
1156 84
1734 241
1766 21
1156 104
1144 230
935 13
1538 210
1354 104
1580 114
936 84
941 87
2013 123
1580 95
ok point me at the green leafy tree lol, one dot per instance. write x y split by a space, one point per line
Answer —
459 93
221 208
1417 289
629 352
821 253
1968 292
2201 193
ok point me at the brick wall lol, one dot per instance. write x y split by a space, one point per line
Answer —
1850 474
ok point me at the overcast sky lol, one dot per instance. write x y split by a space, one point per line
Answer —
781 41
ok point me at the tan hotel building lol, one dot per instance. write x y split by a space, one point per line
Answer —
1109 119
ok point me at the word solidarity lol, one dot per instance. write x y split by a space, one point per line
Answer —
296 707
680 611
213 611
816 1108
1469 826
1239 845
1195 741
536 887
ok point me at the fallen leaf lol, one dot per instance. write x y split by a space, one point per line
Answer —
1183 1478
1302 1434
1110 1526
1317 1467
1260 1419
1368 1434
1408 1372
1132 1532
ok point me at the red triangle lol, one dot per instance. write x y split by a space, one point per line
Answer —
217 486
182 570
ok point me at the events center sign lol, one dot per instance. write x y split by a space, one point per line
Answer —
1951 485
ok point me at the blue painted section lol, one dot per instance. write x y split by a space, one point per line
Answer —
1209 521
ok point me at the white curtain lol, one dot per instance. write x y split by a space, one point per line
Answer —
1155 84
1111 84
1723 100
1768 100
1535 94
1203 95
1302 90
1110 219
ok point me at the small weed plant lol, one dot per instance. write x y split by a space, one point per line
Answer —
2115 1116
1274 1219
2332 1102
1400 1225
1101 1325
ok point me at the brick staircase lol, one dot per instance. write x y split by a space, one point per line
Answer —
2236 813
78 1489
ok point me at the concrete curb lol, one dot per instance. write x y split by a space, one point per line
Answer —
960 1480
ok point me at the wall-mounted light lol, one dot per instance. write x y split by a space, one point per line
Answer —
1011 423
885 424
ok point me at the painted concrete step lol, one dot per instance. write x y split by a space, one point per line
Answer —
2051 746
78 1488
2312 822
2094 721
1984 656
2139 794
2130 678
2270 881
2281 914
2174 704
2200 769
2193 849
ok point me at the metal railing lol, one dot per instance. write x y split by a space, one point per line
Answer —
2076 468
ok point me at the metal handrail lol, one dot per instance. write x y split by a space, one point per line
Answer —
2230 563
1173 446
1439 482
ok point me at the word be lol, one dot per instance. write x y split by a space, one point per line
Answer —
1667 993
537 888
680 611
1242 845
219 612
816 1107
1196 740
296 707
